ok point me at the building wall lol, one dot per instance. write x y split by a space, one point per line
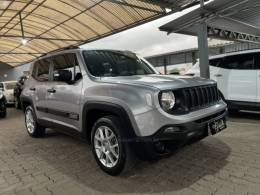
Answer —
9 74
191 56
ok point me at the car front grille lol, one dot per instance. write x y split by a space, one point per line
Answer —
199 97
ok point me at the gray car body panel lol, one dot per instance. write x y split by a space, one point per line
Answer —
137 95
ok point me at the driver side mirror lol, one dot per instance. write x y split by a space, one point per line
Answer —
63 76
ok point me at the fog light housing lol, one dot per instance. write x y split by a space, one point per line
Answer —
172 129
159 147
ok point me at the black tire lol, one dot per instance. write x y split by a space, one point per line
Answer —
126 159
4 112
37 131
233 110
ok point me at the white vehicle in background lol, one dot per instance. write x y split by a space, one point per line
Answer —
8 90
238 78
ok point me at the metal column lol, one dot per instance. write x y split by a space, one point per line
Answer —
202 31
165 65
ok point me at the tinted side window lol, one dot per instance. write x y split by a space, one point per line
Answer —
239 62
66 65
257 60
215 62
41 70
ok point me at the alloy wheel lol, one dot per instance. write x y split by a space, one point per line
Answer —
30 122
106 146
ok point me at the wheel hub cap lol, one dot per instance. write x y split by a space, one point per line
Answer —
106 146
29 120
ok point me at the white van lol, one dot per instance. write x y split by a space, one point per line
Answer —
238 78
8 89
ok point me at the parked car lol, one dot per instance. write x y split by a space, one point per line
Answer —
238 78
18 90
2 105
8 90
119 103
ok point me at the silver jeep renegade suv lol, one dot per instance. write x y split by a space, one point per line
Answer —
119 103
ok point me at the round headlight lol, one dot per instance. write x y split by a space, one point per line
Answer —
167 100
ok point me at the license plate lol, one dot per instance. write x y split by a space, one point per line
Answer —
216 126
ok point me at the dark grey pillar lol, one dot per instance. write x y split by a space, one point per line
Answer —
202 31
165 65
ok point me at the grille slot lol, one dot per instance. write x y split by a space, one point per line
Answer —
199 97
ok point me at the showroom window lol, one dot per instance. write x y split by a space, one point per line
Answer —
66 64
41 70
239 62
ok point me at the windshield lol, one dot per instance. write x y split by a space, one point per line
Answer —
102 63
9 86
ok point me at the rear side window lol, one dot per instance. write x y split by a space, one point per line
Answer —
41 70
257 60
215 62
239 62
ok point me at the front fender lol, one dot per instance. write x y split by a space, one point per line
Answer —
125 117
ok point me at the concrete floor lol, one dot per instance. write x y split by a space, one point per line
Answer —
228 163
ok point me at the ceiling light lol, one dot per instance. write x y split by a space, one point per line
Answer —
24 41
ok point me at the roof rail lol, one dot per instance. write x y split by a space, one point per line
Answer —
61 49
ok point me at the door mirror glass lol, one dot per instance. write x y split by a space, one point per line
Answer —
62 75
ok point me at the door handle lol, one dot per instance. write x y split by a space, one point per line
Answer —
33 89
218 75
52 90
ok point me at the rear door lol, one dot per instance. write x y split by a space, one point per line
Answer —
38 87
64 97
238 74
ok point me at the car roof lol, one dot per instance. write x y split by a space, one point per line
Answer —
235 53
78 50
74 50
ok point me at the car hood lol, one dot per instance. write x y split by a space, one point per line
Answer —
162 82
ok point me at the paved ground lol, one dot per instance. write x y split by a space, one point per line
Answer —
228 163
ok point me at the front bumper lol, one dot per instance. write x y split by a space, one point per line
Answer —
164 142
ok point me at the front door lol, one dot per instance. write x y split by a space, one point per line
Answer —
64 93
238 74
